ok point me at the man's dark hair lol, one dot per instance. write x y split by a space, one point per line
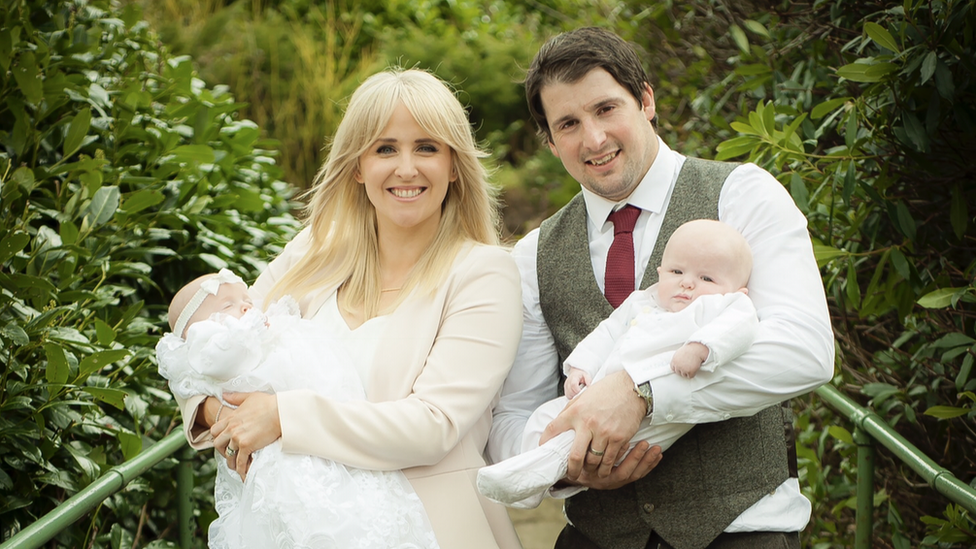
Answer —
568 57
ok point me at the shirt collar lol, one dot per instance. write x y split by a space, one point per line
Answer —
649 194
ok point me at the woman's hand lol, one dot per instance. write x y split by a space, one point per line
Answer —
240 432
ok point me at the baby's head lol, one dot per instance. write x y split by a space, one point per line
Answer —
702 257
222 292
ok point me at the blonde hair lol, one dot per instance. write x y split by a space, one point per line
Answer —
342 220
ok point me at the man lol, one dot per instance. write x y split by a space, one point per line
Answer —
729 481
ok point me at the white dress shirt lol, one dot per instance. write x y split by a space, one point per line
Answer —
792 355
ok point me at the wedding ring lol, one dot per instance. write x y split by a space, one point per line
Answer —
231 452
597 453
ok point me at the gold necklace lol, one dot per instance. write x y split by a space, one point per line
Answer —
390 290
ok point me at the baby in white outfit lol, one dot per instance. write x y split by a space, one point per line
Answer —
220 342
697 317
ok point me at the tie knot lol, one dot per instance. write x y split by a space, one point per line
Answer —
624 219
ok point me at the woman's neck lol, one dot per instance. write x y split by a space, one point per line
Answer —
399 253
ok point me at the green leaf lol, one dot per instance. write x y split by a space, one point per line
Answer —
140 200
853 289
840 434
15 334
24 178
915 131
905 221
863 72
68 232
943 82
6 49
928 66
756 27
102 207
901 263
850 132
57 364
130 443
28 79
114 397
747 129
734 147
850 183
95 362
798 190
881 36
826 254
104 332
740 39
822 109
964 371
946 412
938 299
194 154
954 339
11 244
77 131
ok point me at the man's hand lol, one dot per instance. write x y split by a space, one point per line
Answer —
605 417
250 427
640 461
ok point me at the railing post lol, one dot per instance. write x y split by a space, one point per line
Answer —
184 496
864 519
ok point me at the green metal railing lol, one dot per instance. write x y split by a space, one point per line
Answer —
115 479
868 429
868 426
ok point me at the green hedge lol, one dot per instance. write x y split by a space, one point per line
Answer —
870 125
123 176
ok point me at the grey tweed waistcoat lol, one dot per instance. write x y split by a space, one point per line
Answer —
714 472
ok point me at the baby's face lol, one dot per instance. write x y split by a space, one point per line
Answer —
686 273
231 300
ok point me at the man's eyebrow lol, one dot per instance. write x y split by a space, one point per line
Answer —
613 100
559 121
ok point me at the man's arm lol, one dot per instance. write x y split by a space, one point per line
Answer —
534 376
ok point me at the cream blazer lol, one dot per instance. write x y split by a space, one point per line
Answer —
435 379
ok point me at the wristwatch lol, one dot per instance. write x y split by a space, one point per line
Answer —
643 390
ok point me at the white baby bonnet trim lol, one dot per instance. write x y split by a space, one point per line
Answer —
208 287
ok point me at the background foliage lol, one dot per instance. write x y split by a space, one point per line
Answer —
122 175
137 155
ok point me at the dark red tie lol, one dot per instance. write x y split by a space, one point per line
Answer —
619 280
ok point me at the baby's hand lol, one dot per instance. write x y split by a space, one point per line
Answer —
688 359
575 381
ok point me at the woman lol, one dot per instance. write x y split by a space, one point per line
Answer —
399 259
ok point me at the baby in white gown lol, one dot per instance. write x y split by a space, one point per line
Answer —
221 343
697 317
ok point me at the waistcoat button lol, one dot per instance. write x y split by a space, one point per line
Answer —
648 508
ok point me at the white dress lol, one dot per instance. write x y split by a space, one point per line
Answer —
290 500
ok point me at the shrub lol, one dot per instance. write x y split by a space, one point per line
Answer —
870 126
123 176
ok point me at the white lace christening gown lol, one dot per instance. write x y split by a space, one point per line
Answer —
290 500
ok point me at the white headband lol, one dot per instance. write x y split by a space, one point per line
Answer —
210 286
